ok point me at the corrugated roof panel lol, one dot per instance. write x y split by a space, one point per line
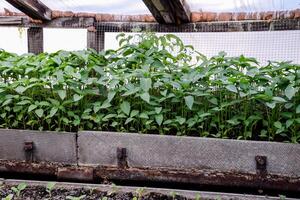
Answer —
99 6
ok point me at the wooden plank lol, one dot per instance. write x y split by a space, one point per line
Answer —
12 20
35 40
69 22
262 25
33 8
169 12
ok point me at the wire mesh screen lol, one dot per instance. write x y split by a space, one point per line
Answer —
263 45
277 41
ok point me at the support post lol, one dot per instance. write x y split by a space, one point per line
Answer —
100 37
35 40
92 38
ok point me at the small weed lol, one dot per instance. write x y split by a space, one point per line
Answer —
198 197
76 198
50 186
140 192
282 197
8 197
17 190
114 189
173 194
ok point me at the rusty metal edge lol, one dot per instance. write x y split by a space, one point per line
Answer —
111 173
146 190
200 177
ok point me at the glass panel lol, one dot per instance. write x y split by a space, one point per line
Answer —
99 6
242 5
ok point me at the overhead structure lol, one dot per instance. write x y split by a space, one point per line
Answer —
33 8
169 12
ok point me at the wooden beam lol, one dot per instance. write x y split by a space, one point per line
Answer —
33 8
169 12
12 20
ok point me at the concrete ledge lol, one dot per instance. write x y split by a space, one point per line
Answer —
100 148
47 146
91 156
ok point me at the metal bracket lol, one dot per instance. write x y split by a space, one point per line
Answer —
122 157
28 148
261 164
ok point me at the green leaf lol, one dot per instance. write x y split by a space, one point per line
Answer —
110 95
134 113
50 185
39 112
290 92
278 124
271 104
180 120
105 105
53 111
289 123
22 186
213 101
159 119
298 109
144 116
131 92
24 102
189 101
232 88
128 120
62 94
145 84
279 99
146 97
107 117
20 89
77 97
125 107
32 107
158 110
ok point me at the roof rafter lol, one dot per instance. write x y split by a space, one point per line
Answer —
169 12
33 8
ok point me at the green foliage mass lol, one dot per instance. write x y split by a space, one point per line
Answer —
154 85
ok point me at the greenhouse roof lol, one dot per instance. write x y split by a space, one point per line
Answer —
176 11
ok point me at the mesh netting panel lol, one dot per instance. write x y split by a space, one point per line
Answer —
263 45
277 41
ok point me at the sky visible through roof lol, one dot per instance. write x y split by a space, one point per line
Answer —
138 7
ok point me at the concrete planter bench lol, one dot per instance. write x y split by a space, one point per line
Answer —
90 156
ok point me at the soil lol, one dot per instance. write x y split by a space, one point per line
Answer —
40 193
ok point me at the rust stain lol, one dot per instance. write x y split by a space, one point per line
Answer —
200 177
208 177
42 168
85 174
